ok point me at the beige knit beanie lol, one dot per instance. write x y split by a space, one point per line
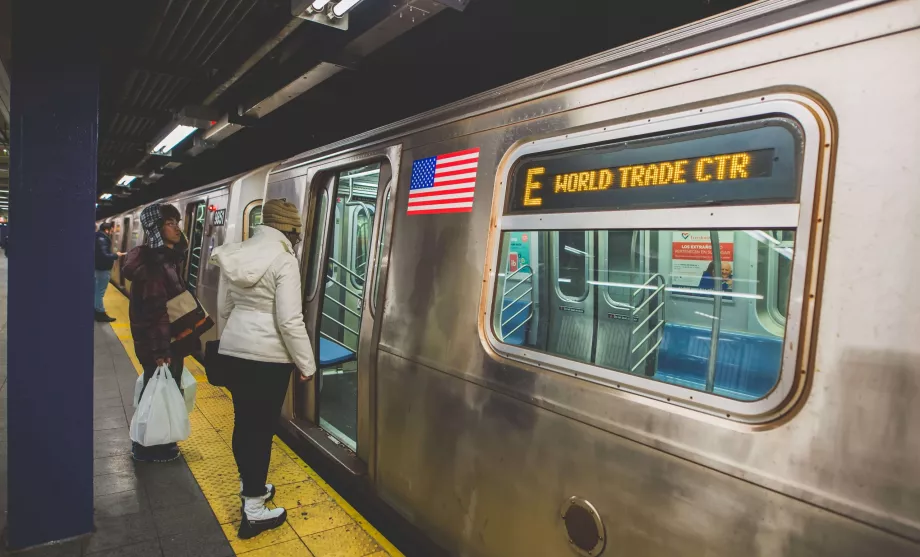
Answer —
281 215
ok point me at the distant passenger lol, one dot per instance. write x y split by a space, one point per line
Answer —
105 258
154 272
707 281
263 336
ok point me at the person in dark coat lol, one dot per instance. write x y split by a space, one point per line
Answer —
105 259
154 270
708 280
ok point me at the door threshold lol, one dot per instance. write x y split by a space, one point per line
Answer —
328 445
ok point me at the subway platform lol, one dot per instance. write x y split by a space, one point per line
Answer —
189 507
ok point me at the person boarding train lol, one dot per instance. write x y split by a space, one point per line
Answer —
263 338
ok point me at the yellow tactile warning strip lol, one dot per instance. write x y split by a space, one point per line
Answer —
320 522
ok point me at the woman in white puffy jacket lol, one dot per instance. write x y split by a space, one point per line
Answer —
263 337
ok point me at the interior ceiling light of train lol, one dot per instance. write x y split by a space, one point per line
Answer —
197 90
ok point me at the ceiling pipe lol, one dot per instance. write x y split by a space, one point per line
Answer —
256 57
400 20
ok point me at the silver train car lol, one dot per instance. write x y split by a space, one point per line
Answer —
641 304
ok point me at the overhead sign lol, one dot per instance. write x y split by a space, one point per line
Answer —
717 165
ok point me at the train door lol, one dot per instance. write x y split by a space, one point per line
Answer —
123 246
571 299
195 215
349 234
215 231
630 301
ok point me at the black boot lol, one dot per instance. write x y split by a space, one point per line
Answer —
103 317
257 518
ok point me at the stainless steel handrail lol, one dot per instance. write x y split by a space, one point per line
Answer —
505 306
649 298
646 337
337 322
343 306
349 290
327 337
657 312
345 268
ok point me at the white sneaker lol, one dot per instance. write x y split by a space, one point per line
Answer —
258 518
269 492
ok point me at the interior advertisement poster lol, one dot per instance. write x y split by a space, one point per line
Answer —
519 251
691 259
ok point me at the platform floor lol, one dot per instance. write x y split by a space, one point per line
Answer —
190 507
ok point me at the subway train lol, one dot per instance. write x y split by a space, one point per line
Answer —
659 301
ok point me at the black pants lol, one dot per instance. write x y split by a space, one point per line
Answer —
175 368
258 390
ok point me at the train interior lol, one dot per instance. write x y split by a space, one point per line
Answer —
346 274
649 302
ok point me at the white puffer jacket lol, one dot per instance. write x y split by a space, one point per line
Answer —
260 309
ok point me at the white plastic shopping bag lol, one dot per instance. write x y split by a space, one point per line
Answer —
138 387
189 387
161 416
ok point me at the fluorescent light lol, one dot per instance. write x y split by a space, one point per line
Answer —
126 180
172 139
105 196
343 7
319 5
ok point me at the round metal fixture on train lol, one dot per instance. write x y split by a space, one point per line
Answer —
584 527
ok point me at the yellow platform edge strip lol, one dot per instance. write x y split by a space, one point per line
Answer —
117 305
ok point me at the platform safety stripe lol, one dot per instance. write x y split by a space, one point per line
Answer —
116 301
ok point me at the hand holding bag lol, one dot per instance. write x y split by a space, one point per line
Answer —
161 415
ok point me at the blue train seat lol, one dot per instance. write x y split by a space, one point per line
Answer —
511 308
332 354
747 366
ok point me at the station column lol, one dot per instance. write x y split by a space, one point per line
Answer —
54 130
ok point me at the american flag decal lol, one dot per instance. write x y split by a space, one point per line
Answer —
444 184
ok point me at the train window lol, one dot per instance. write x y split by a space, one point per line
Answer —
572 273
663 304
386 212
360 246
252 217
775 260
658 258
316 240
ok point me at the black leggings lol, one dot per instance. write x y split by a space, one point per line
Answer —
258 390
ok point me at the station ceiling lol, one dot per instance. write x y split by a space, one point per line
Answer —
397 58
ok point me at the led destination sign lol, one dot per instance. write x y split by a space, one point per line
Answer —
747 165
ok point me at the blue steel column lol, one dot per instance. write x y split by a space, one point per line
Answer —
55 115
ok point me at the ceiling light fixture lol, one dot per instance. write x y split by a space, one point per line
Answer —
343 7
173 138
186 122
126 180
105 196
319 5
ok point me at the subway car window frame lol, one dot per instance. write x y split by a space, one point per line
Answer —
772 205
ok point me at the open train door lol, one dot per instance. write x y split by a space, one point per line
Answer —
348 206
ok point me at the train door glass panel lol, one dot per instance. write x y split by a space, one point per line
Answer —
660 304
386 212
348 246
252 217
123 244
195 217
571 306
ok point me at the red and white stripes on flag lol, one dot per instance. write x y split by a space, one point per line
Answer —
444 184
